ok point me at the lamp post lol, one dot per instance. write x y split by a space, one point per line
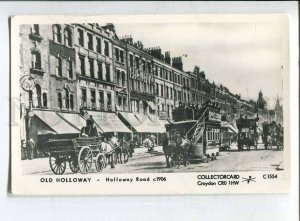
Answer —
27 83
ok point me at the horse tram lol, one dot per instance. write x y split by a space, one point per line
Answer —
247 133
195 134
272 135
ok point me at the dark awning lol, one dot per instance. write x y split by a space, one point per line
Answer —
55 122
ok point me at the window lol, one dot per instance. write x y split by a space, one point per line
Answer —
163 107
122 56
71 101
106 48
167 91
44 100
92 71
139 85
149 67
100 70
117 54
109 102
171 93
38 95
101 100
175 94
157 89
161 90
131 60
70 69
167 74
66 98
35 29
80 37
68 37
156 70
137 63
144 65
82 65
132 85
58 68
56 33
83 97
107 69
118 78
123 79
36 60
98 45
59 100
90 41
93 99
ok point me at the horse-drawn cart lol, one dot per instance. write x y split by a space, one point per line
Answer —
80 153
247 133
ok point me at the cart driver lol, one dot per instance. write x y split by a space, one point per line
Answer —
90 124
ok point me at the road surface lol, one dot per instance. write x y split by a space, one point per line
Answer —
143 162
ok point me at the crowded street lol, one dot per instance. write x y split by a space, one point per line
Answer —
144 162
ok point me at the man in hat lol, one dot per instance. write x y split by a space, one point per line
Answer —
30 148
90 125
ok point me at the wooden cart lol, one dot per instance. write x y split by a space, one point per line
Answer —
80 153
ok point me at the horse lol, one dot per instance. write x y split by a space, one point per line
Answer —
108 150
120 149
177 153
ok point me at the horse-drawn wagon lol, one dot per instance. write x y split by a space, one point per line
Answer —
272 135
247 133
80 153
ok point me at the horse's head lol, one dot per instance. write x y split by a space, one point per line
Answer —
185 143
115 141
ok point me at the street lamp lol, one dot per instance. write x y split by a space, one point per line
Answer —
27 83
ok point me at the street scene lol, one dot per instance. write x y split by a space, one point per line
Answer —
95 101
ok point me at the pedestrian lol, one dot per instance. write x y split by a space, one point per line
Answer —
23 150
30 148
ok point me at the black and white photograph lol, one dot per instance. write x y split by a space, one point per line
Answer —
153 96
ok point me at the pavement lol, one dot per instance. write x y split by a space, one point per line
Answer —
144 162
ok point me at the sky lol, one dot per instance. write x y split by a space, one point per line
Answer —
245 57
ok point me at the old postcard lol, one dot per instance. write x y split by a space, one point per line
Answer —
150 104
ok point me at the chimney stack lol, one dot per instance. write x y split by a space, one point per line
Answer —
177 63
167 57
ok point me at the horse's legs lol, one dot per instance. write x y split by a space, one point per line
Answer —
167 160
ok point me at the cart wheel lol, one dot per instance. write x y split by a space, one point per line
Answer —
57 164
85 159
73 164
99 163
